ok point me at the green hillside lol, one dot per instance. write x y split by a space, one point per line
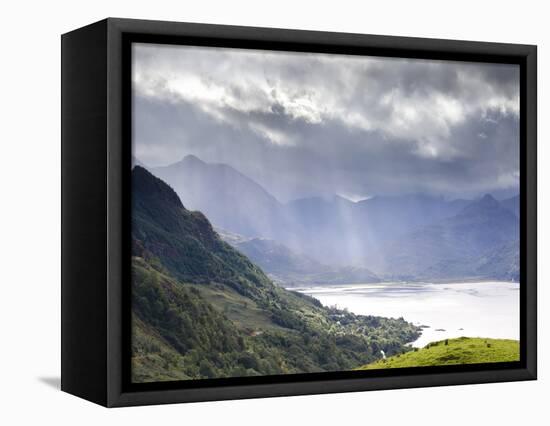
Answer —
203 310
464 350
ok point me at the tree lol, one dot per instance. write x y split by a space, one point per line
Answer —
206 369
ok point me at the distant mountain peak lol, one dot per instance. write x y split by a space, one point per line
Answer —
486 202
488 198
192 159
230 199
486 205
136 162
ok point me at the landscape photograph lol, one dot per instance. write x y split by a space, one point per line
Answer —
302 213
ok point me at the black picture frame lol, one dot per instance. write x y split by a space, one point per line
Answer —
96 164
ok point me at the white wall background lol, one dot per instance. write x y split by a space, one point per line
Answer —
30 211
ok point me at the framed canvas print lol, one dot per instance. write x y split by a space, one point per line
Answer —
252 212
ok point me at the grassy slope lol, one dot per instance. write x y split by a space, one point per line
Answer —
463 350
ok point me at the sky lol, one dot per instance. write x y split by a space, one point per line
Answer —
304 124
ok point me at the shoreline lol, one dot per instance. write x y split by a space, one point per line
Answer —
440 312
303 289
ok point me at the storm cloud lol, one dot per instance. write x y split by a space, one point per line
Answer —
318 124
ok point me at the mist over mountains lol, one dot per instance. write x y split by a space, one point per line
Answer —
291 268
230 199
334 240
453 246
201 309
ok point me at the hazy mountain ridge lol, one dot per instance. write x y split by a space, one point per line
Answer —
413 236
290 268
453 247
213 188
389 217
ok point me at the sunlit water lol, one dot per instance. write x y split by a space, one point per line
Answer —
482 309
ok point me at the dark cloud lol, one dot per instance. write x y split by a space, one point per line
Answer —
318 124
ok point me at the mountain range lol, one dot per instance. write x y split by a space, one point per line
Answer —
415 236
201 309
452 247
